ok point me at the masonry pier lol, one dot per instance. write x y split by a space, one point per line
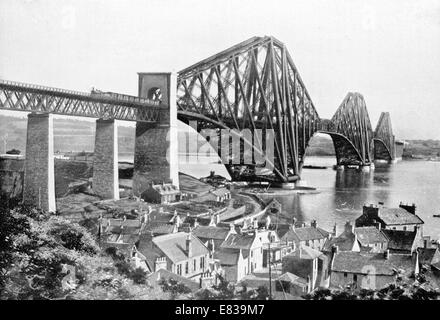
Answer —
39 174
156 144
105 164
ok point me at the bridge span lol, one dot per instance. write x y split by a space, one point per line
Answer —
251 86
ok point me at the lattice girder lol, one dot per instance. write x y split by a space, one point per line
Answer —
253 85
31 98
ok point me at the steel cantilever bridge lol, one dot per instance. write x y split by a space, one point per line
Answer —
256 85
252 85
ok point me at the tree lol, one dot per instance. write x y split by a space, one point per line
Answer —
174 287
398 291
44 256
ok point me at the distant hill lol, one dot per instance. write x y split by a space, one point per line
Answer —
422 147
77 135
69 135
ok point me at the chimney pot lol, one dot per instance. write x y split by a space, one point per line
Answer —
189 245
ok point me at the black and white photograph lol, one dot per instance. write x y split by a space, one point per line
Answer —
236 152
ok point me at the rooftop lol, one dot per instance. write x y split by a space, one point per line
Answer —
211 232
239 241
302 234
372 263
227 256
400 240
174 246
398 216
370 235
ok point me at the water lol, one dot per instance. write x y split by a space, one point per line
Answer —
343 193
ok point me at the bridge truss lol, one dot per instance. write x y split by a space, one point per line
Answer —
384 141
32 98
351 131
253 85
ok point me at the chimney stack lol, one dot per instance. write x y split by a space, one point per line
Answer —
409 208
378 225
349 228
189 245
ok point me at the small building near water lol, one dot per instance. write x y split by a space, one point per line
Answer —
161 193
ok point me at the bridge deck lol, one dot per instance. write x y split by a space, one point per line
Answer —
18 96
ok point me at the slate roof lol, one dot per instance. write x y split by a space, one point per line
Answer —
290 277
163 229
127 226
211 232
220 192
165 189
345 242
149 250
174 246
398 216
400 240
306 252
302 234
239 241
227 257
429 255
372 263
370 235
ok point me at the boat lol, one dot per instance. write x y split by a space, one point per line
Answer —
314 167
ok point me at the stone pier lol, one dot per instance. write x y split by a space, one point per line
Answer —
105 163
156 145
39 174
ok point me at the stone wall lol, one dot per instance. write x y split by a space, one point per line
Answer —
11 177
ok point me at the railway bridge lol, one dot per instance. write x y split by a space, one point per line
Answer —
253 91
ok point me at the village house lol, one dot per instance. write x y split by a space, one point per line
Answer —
240 254
346 241
402 218
213 236
312 236
216 195
181 253
161 193
308 264
400 241
429 259
367 270
371 239
119 237
292 284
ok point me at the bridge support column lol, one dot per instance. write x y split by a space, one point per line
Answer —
105 163
39 174
156 144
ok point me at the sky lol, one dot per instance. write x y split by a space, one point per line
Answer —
389 51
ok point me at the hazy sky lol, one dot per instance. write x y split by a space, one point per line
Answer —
387 50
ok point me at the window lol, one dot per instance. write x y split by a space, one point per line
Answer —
179 269
345 274
194 264
252 253
355 278
186 268
202 263
404 228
